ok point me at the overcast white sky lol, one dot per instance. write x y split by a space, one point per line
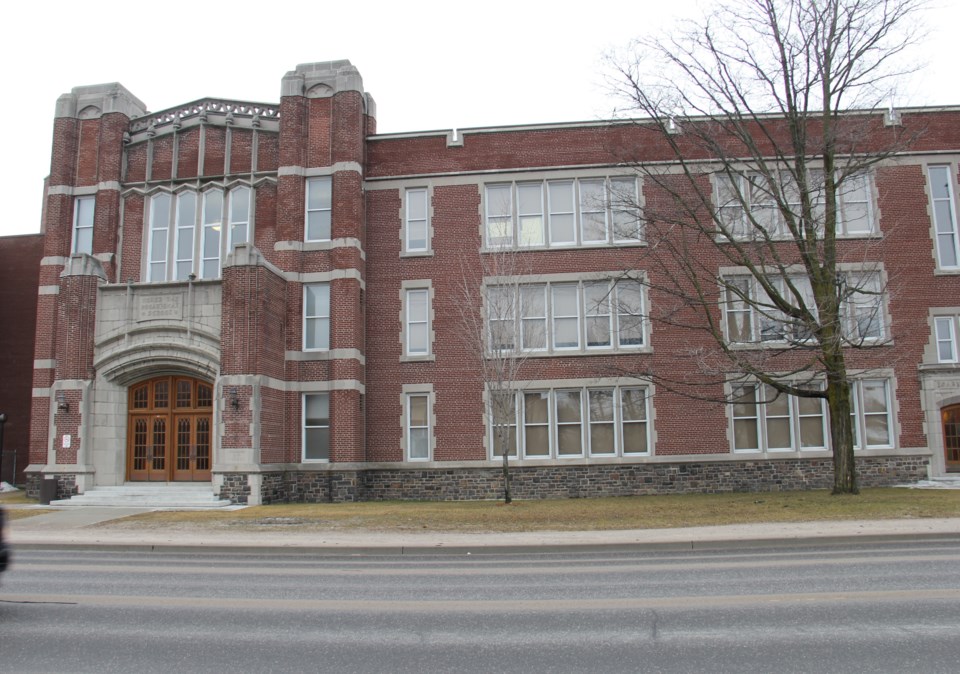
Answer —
428 64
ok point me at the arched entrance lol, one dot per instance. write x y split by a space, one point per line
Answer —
951 437
169 430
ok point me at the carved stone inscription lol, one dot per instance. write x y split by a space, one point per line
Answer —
159 307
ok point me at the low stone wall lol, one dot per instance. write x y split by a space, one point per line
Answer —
541 482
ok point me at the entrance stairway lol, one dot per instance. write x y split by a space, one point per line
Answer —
149 495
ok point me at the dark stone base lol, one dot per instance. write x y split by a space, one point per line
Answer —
542 482
66 485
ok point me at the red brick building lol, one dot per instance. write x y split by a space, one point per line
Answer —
19 268
270 298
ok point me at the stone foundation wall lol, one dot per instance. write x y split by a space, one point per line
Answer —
540 482
235 487
66 485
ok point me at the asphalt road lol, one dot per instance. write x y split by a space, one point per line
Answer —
865 608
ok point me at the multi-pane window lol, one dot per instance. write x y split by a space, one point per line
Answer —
945 216
316 427
417 322
316 316
573 422
764 420
556 213
559 317
418 426
319 208
751 315
416 225
185 232
870 416
83 208
945 334
761 198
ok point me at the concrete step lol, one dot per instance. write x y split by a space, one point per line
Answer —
148 495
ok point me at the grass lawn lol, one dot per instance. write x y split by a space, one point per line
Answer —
634 512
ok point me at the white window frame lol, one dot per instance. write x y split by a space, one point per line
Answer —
235 221
946 236
415 196
319 318
425 429
199 231
746 192
553 424
505 215
763 397
324 183
305 426
411 321
82 235
860 415
760 317
945 332
581 311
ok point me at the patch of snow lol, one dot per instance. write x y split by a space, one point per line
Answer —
6 486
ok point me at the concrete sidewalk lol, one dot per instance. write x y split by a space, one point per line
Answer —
76 528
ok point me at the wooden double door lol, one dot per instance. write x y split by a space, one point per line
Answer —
169 433
951 437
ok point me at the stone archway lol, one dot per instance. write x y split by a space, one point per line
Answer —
169 430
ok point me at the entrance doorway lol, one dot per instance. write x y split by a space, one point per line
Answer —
169 430
951 437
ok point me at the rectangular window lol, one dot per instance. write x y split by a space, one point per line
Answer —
593 212
499 202
749 205
503 426
945 215
566 316
569 414
159 237
417 227
536 424
319 208
751 315
562 213
571 423
418 322
586 211
766 421
558 317
316 317
316 427
946 338
533 317
418 427
186 229
870 415
501 315
239 216
83 209
598 318
530 213
185 232
212 223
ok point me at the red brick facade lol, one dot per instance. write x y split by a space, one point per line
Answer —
128 311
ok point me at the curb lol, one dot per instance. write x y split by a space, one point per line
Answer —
499 548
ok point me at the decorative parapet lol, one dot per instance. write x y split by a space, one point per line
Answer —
211 110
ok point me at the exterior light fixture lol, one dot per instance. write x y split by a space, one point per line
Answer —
62 404
234 400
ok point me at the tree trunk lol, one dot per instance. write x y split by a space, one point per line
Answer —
841 433
507 498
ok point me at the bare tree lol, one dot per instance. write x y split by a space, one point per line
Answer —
765 138
494 288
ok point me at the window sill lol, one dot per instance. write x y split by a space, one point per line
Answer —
416 253
418 359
